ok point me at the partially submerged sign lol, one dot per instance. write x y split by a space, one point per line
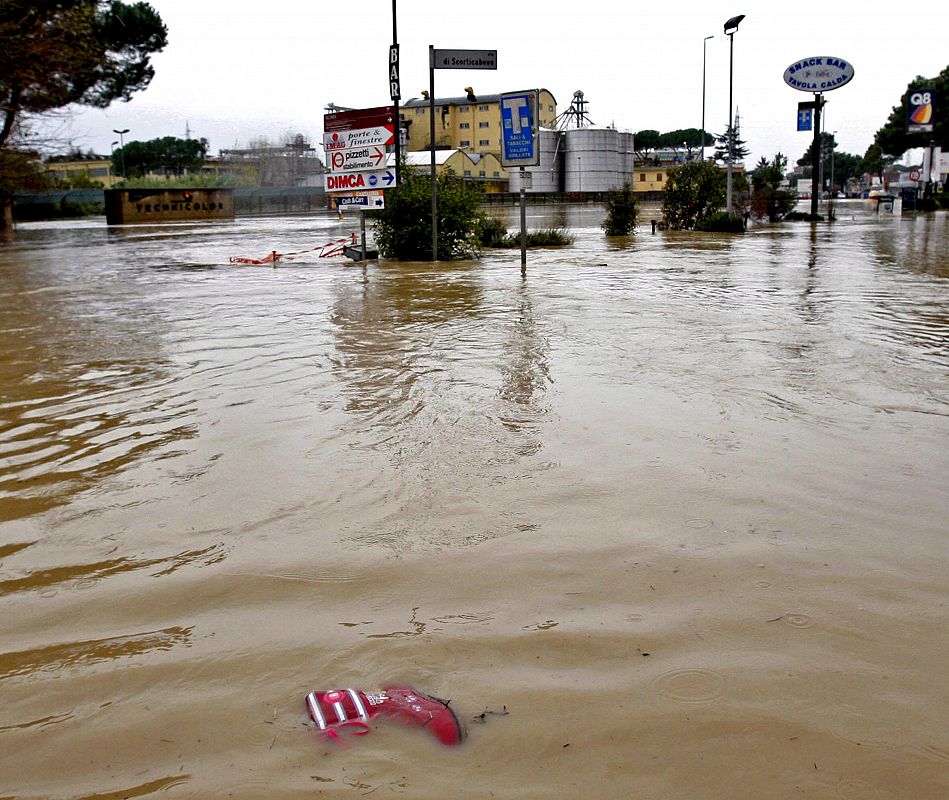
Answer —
818 74
124 206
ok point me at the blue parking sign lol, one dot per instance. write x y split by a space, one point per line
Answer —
519 129
805 119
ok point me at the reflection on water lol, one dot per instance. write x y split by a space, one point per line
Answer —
665 500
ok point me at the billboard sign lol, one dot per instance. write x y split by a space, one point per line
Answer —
365 179
519 129
818 74
919 111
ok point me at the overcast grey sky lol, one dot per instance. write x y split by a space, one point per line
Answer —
236 69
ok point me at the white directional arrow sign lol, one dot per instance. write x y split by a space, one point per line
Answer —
353 159
371 179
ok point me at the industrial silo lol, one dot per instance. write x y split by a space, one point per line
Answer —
597 159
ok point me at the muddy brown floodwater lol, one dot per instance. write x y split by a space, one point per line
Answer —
677 503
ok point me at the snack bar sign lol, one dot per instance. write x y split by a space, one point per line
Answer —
818 74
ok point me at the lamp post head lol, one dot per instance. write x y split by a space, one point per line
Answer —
707 38
124 130
732 25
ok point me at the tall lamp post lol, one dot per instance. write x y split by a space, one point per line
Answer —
704 42
730 27
121 134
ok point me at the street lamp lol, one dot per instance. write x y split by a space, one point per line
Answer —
121 134
704 41
731 26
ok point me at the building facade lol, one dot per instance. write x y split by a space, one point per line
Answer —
470 123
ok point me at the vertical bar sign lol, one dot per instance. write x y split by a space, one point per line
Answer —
519 129
394 90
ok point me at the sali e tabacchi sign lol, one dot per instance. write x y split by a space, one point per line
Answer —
818 74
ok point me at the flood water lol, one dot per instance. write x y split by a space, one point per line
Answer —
677 503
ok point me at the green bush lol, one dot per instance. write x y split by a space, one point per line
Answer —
403 229
721 222
491 231
621 212
546 237
692 192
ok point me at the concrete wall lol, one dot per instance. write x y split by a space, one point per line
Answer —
125 206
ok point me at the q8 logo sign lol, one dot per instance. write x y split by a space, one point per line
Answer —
919 111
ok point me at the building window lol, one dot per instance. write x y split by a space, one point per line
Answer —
483 108
642 177
467 173
659 177
484 124
464 125
484 142
496 174
419 112
463 109
464 143
481 174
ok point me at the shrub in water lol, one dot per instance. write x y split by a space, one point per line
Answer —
621 212
721 223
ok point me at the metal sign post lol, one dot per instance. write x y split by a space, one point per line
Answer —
519 121
448 59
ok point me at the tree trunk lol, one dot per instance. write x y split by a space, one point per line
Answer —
6 216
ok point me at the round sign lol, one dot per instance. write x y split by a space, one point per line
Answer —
818 74
338 160
914 174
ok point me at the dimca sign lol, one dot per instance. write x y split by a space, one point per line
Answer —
818 74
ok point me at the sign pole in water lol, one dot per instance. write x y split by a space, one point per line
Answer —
449 59
519 121
817 74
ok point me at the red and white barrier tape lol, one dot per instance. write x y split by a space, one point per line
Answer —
327 250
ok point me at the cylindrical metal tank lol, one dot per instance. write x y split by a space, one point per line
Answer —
548 175
597 159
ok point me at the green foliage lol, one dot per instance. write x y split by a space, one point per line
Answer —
892 138
731 141
621 212
768 201
692 193
58 52
721 222
403 229
167 155
545 237
491 231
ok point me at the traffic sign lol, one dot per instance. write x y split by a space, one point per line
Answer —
378 135
359 118
369 201
355 159
369 179
914 175
519 129
465 59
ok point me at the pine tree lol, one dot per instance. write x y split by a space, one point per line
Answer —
731 139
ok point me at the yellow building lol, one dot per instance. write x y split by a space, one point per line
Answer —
97 170
479 167
465 124
650 179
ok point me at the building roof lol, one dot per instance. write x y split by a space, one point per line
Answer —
461 100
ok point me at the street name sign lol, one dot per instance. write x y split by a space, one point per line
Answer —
519 129
366 179
465 59
818 74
